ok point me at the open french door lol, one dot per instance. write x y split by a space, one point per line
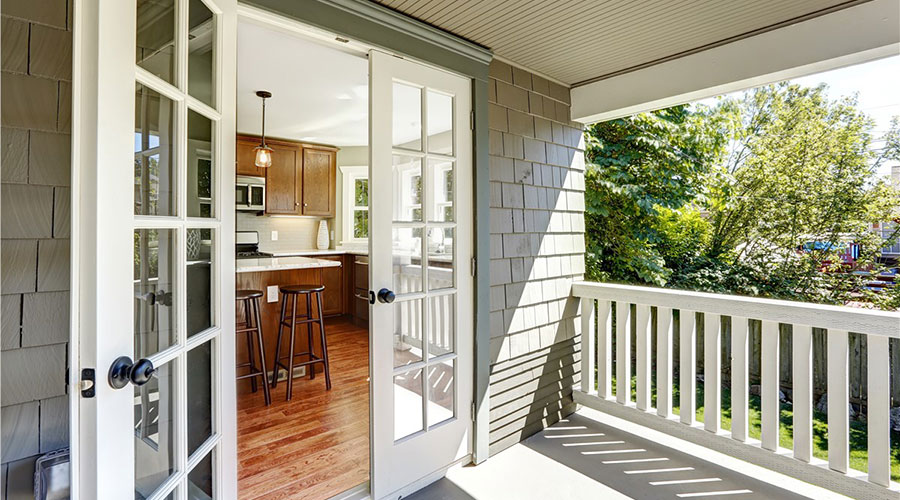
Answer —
152 376
420 272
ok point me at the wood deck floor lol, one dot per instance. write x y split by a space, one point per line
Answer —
316 445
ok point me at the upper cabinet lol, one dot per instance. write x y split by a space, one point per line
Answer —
301 180
319 189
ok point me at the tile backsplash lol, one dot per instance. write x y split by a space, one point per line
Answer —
294 233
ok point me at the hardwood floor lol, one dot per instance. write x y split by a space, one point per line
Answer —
316 445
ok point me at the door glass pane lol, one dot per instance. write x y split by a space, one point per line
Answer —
200 479
154 430
408 317
154 291
407 118
201 51
441 391
200 165
408 390
441 324
154 153
407 259
408 188
440 257
440 173
440 123
199 280
199 395
156 37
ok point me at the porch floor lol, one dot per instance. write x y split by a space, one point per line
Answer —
589 456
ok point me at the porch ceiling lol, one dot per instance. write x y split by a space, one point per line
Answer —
578 41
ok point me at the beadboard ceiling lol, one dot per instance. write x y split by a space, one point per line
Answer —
576 41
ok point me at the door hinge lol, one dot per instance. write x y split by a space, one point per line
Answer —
473 266
473 411
472 120
87 383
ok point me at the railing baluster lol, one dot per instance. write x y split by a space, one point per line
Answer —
664 361
838 418
801 346
604 349
643 357
712 372
623 352
588 336
739 379
769 391
878 397
687 369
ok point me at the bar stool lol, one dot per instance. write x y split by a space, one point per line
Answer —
293 292
250 300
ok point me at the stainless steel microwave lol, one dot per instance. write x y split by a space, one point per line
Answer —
250 193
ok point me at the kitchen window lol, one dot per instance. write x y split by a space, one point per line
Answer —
355 204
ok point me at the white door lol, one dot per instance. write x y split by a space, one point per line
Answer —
420 252
153 250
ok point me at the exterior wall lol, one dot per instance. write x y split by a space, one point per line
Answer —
36 77
537 250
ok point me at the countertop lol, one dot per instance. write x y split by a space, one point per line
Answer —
288 252
281 263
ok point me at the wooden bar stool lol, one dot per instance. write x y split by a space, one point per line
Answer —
250 300
293 292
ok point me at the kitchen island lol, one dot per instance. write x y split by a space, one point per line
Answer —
267 274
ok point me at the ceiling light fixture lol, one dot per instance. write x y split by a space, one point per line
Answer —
263 152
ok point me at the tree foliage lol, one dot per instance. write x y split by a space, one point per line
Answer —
723 198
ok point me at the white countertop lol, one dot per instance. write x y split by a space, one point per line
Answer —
281 263
288 252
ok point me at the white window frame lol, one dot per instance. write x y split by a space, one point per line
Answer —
351 174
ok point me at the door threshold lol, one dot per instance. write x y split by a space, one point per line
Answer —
358 492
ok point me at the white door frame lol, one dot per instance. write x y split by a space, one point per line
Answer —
104 78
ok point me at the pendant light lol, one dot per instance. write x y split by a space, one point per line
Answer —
263 152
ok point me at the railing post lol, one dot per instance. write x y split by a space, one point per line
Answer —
643 357
878 416
587 345
687 366
801 347
623 352
739 378
771 406
664 361
838 418
604 349
712 371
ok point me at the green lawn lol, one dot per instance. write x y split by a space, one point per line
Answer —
858 438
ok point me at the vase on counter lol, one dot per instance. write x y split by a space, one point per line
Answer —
322 240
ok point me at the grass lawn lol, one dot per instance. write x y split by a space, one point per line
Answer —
859 456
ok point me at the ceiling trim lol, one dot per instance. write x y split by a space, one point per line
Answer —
858 34
726 41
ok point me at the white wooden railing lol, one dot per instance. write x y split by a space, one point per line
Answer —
633 306
408 315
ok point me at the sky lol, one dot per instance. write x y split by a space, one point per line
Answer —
877 84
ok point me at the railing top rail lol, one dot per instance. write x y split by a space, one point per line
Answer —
867 321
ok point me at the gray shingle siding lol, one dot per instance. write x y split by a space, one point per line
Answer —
35 163
537 250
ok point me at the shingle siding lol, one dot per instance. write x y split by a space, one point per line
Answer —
35 162
537 250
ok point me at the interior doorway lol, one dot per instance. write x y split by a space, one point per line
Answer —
314 444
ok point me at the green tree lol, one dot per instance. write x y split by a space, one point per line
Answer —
638 166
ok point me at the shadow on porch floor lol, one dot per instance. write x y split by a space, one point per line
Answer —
582 457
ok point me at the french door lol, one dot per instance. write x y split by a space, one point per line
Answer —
153 250
420 272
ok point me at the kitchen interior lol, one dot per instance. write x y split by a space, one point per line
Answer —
301 234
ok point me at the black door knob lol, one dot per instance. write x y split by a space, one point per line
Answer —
386 296
123 370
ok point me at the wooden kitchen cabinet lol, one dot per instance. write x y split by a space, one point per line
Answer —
284 179
333 279
359 296
319 179
245 156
